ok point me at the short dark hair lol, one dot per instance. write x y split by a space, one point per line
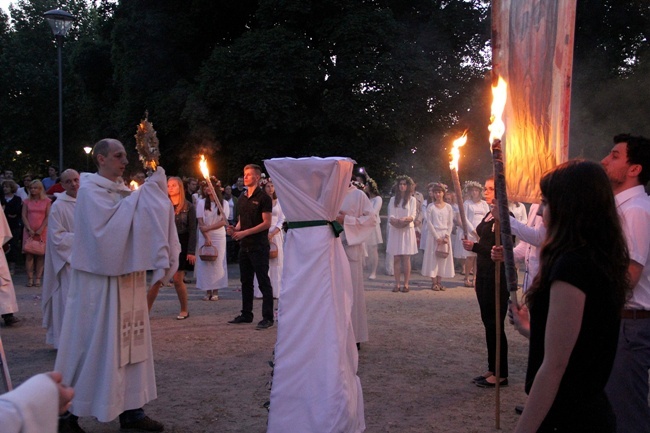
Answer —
638 152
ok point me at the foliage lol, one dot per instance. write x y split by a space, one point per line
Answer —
388 83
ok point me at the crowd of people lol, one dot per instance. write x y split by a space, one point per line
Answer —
584 252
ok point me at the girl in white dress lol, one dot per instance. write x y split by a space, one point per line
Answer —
475 209
276 236
373 241
439 218
211 275
402 244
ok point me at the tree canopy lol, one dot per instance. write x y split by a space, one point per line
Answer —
385 82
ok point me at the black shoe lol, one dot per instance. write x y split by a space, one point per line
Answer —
265 324
10 319
479 378
519 409
144 424
485 384
242 319
69 424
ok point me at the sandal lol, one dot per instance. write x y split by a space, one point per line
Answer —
207 298
405 289
435 287
214 298
468 283
37 283
30 283
441 287
181 317
395 289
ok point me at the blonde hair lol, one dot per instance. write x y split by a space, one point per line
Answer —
181 190
37 182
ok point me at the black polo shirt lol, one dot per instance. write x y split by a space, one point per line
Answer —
250 211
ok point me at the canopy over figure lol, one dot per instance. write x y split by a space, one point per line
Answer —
315 382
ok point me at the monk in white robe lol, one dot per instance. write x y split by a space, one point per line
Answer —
8 304
56 279
34 406
358 218
105 352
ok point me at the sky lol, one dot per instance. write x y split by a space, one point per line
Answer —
4 4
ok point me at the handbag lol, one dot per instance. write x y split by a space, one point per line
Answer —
34 245
208 253
273 250
442 251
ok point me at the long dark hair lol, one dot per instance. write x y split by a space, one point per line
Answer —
403 199
583 214
208 199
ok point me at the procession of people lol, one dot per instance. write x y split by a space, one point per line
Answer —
108 250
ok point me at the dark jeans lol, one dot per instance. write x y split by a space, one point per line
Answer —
487 304
255 263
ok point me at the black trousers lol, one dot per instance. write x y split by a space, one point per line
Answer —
255 263
487 303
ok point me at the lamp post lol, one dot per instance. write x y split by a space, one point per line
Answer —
60 22
87 149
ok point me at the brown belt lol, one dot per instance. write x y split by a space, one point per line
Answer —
635 314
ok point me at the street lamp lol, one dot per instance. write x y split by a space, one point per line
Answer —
60 22
87 149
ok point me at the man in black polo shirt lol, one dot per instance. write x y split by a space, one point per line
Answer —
252 230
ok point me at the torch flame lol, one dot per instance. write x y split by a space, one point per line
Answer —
133 185
499 94
203 165
455 151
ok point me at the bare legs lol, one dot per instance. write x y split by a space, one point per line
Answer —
181 292
402 264
373 260
31 262
470 265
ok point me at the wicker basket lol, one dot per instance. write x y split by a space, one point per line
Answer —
208 253
273 252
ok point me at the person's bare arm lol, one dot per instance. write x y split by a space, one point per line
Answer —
264 225
566 307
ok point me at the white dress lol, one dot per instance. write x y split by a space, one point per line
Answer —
457 237
401 241
375 237
425 230
440 222
8 302
474 213
211 275
276 264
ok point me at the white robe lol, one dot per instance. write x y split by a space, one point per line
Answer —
360 223
211 275
440 223
105 352
277 264
56 278
8 302
33 407
315 382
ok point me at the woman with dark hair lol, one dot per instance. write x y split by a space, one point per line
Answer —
402 244
575 304
185 219
486 293
211 275
12 205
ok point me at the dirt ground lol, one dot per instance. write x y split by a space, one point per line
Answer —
212 377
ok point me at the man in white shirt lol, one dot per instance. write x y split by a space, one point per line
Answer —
105 351
56 279
628 169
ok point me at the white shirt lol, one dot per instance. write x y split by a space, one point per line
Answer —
633 207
